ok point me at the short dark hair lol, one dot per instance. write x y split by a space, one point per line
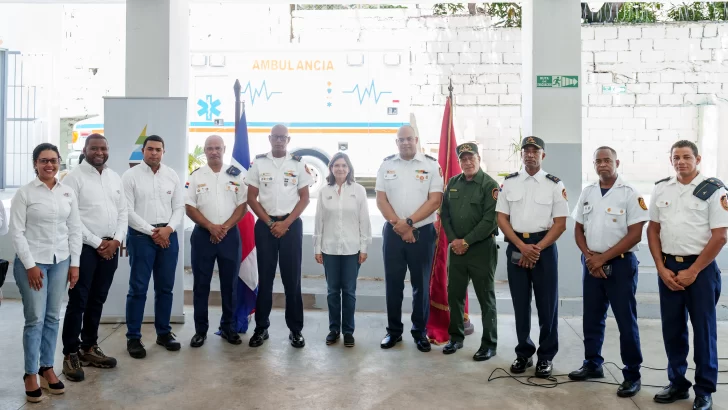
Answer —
152 138
349 178
94 136
612 150
46 146
685 144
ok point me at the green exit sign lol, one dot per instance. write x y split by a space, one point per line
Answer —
557 81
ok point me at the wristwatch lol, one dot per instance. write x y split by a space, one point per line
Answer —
465 244
409 222
270 222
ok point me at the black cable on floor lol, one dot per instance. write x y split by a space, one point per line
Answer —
552 381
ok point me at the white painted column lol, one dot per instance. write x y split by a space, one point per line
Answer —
157 48
551 46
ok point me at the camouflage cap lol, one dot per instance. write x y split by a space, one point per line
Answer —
468 147
535 141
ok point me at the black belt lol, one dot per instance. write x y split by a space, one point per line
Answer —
528 235
279 218
681 259
107 238
159 225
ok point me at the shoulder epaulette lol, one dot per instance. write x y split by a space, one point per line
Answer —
261 155
390 157
233 170
196 169
662 180
553 179
513 175
296 157
705 189
432 158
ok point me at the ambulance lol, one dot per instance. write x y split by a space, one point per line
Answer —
351 100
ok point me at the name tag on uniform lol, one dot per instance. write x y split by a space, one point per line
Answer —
587 209
266 177
390 174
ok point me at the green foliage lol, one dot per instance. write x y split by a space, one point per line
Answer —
638 12
698 12
508 13
195 159
441 9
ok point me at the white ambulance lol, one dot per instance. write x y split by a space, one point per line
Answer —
351 100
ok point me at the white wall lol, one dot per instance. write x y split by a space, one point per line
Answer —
668 69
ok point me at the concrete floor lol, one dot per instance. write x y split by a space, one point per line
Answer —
277 376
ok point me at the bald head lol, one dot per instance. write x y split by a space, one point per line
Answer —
279 140
214 139
406 131
406 142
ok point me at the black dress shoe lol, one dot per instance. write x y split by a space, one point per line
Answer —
703 403
671 394
483 354
629 388
135 347
169 342
389 341
297 340
198 340
452 347
349 340
258 338
232 338
423 345
544 368
332 337
586 373
521 364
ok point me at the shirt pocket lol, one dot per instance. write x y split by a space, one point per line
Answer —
543 204
616 215
664 207
697 210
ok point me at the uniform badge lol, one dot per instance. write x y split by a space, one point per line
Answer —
724 202
563 193
66 194
169 192
308 171
187 185
494 192
641 201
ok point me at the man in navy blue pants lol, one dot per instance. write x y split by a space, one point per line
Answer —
610 215
278 193
687 230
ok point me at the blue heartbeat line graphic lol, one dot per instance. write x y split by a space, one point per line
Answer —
368 92
255 92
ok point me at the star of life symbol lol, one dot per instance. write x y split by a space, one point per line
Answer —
208 108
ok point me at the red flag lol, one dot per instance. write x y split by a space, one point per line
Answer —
439 321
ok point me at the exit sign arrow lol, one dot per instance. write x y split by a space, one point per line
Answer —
557 81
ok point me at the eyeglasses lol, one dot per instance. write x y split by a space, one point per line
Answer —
46 161
279 137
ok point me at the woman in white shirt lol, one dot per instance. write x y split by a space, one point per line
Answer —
341 237
46 230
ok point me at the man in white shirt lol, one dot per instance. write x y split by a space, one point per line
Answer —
532 211
409 190
687 230
278 193
155 204
102 207
609 219
215 201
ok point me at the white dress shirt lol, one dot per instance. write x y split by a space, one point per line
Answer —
101 203
409 183
153 198
3 220
532 202
606 218
686 220
342 220
45 225
278 181
215 194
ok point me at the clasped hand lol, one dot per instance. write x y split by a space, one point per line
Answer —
403 229
279 228
160 236
529 255
458 246
107 248
217 233
682 280
594 263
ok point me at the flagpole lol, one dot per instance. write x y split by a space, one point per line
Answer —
449 129
237 89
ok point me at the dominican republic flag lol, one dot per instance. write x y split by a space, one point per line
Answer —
246 287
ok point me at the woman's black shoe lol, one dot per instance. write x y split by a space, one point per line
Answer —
34 396
53 388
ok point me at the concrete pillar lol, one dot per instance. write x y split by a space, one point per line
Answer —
551 55
157 48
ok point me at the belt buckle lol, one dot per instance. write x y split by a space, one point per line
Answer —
679 259
526 235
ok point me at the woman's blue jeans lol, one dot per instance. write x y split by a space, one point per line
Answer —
341 275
